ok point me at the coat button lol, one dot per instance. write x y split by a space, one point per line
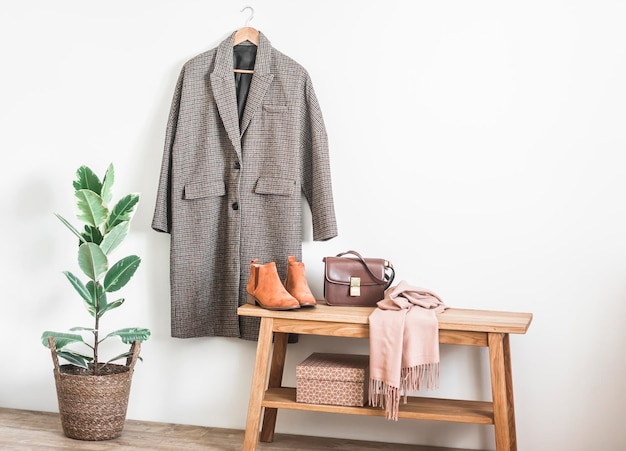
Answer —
237 165
235 206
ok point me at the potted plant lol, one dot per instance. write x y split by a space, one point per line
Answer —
92 392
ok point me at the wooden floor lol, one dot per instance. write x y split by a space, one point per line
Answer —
26 430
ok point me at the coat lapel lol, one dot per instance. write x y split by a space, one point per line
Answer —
261 81
223 85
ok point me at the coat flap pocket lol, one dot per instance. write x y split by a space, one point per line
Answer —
275 185
198 190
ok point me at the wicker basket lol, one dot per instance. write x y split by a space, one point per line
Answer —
94 407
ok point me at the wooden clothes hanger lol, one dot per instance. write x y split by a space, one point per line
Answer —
246 34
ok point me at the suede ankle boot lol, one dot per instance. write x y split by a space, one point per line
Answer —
265 288
296 283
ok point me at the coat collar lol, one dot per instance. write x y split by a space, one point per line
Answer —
223 85
224 58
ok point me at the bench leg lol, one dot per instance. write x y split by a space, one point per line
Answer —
502 392
257 391
275 381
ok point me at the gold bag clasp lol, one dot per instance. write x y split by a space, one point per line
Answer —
355 286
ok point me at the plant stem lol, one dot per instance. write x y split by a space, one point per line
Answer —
96 331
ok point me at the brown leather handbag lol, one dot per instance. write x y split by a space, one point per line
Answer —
356 282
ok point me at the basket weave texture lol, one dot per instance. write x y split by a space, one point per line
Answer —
94 407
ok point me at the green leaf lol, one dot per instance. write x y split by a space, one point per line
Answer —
87 179
99 297
122 356
115 237
107 184
130 334
75 359
71 227
120 273
91 208
92 261
122 211
87 329
83 291
92 235
110 306
61 339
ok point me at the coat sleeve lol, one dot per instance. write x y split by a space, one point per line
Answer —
316 174
161 221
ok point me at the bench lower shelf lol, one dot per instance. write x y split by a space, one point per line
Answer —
437 409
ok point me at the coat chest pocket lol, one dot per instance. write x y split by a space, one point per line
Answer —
275 124
199 190
275 109
275 185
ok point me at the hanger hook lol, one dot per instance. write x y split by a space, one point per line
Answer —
251 14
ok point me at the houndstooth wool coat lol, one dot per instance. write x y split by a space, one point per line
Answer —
230 193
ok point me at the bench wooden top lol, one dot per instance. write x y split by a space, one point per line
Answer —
451 319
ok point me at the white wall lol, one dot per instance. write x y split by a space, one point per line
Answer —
478 145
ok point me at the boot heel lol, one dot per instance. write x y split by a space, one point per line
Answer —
251 299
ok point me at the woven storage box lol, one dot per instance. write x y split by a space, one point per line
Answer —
336 379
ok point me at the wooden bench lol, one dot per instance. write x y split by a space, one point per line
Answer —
490 329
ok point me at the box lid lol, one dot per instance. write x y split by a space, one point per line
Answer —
334 367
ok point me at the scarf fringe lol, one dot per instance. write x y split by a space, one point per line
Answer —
420 377
383 395
415 378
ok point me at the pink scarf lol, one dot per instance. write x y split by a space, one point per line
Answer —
404 345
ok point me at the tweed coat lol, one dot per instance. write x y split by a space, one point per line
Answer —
230 193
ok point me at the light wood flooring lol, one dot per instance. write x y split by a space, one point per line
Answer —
26 430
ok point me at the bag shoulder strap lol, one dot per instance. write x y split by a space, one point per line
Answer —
388 265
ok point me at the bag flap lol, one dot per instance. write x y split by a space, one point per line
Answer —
339 270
